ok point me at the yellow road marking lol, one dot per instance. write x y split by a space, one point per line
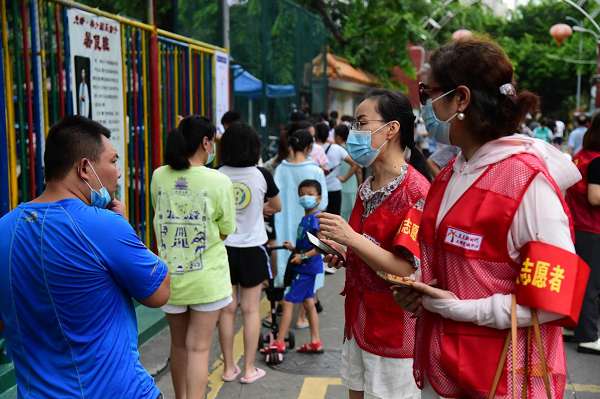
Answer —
585 388
214 379
314 387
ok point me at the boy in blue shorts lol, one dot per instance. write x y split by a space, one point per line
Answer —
307 264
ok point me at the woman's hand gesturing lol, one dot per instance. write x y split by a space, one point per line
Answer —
335 228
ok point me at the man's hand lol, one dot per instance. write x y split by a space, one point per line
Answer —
297 259
118 207
288 245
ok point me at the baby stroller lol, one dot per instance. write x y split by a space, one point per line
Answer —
266 342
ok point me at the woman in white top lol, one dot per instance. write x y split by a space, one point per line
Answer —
248 260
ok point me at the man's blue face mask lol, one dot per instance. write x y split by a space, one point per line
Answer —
98 199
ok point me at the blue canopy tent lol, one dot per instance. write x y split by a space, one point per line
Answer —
246 85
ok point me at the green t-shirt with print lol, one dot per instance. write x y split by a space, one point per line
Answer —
192 208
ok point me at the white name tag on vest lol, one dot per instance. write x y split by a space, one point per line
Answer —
463 239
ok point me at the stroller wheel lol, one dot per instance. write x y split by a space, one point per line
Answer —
267 359
261 342
291 340
280 357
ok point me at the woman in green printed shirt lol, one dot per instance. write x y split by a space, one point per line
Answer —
194 213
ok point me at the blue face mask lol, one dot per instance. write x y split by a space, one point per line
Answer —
435 127
98 199
359 146
308 201
211 156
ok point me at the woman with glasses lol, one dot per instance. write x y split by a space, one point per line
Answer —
495 224
194 213
380 237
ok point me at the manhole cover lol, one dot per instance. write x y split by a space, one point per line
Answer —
326 364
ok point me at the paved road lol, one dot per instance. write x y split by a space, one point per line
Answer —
321 378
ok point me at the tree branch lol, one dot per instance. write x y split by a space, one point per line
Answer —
320 6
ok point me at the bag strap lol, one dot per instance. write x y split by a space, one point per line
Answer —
538 340
526 368
513 333
500 366
512 336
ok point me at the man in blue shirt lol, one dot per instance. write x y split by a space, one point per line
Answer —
576 136
69 265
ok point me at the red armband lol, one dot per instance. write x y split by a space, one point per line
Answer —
552 279
407 235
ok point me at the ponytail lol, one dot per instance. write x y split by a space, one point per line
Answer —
183 142
418 161
175 150
300 140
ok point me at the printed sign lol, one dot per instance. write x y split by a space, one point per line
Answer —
97 77
463 239
222 86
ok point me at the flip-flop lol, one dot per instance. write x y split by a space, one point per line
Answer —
232 377
301 326
260 373
266 323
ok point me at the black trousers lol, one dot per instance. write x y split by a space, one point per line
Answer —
335 202
587 246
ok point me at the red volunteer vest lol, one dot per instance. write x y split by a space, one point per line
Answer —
585 216
468 255
377 323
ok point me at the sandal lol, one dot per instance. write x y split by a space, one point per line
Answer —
301 326
266 323
280 348
260 373
232 377
312 348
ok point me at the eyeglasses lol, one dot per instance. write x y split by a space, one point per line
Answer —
424 91
356 125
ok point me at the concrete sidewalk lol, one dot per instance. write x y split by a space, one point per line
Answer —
317 376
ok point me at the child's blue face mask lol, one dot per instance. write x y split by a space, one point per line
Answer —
308 201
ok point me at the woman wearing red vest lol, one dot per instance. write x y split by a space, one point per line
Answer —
381 236
584 202
486 213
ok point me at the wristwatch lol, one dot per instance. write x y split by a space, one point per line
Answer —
304 257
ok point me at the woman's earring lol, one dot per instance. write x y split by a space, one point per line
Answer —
460 116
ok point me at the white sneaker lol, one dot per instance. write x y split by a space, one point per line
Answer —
589 347
329 270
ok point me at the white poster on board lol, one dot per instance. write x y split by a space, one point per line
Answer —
97 77
222 87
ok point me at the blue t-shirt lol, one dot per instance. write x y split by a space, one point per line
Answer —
67 275
315 264
576 139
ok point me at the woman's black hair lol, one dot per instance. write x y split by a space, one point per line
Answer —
322 132
300 140
393 105
240 145
184 141
343 131
283 148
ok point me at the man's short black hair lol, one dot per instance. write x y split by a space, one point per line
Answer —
582 120
310 183
69 140
334 114
240 146
230 117
297 116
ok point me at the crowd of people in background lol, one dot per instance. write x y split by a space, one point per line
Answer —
365 185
